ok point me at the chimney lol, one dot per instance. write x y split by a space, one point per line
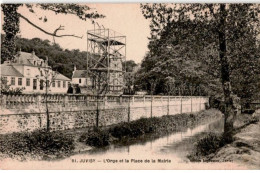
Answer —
75 68
33 53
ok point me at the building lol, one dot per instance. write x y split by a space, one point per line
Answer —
81 78
33 74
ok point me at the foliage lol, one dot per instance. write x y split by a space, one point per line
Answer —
97 138
11 28
184 44
12 21
209 144
210 45
37 143
55 54
129 65
6 89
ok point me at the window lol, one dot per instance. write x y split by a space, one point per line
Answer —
64 84
13 81
48 83
28 72
20 81
5 80
58 84
41 84
34 84
27 82
79 80
53 83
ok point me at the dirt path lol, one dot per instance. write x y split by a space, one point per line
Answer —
245 150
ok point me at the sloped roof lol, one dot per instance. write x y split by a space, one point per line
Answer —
80 74
61 77
9 70
26 55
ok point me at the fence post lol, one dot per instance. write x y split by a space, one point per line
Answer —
39 99
168 105
66 100
120 99
87 100
191 104
4 101
181 104
200 103
105 102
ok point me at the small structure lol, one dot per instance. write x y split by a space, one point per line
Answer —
107 52
29 72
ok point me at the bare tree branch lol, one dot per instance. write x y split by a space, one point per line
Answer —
54 34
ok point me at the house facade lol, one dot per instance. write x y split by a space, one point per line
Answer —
33 74
81 78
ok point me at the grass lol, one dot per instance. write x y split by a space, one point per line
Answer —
40 144
207 146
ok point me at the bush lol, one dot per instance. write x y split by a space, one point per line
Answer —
120 131
209 144
36 143
98 138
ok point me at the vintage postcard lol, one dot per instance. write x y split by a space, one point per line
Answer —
132 86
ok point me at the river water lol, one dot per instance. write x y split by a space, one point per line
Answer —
166 152
174 147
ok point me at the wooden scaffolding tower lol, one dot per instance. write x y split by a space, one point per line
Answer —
107 52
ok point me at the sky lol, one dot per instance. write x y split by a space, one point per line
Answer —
126 19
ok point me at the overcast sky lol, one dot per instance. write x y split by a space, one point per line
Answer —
124 18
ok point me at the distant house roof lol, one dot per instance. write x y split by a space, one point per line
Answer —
61 77
25 58
26 55
80 74
9 70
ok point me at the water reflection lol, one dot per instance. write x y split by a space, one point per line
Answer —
175 145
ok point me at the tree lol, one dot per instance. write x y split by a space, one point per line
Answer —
48 77
129 65
214 27
12 20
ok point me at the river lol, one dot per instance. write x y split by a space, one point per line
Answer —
166 152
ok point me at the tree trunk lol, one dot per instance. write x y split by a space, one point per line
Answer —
47 109
229 112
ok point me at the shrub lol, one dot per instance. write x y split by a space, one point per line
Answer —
98 138
36 143
209 144
120 131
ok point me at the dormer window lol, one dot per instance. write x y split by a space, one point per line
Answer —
28 72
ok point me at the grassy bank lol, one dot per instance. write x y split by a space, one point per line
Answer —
213 147
152 127
36 145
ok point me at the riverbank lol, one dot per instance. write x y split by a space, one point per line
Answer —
245 147
146 128
62 144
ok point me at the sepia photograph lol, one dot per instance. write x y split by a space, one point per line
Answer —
130 86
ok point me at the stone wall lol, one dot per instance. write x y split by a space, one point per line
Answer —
27 112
